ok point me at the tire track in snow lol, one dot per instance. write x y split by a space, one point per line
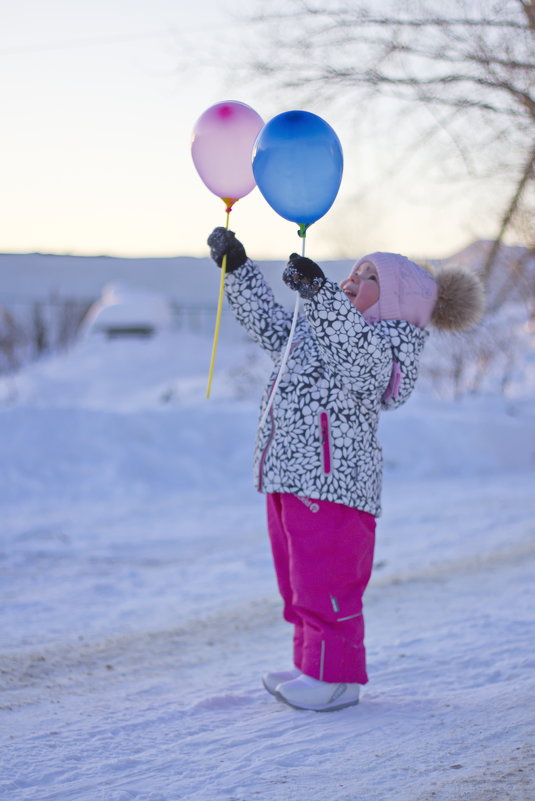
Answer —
514 553
417 736
79 665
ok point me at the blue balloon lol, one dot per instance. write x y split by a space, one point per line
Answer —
297 165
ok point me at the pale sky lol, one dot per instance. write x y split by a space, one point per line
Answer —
95 139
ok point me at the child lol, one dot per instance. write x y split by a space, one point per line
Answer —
355 351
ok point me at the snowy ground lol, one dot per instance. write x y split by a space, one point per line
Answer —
139 605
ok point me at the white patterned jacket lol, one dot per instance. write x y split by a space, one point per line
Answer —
320 437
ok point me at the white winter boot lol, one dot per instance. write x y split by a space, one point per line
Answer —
305 692
272 680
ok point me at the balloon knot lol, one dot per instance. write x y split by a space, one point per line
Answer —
302 232
229 202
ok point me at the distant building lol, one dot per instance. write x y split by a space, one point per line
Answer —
124 311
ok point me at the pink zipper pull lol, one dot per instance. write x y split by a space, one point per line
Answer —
325 444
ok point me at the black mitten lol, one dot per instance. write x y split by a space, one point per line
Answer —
222 241
303 275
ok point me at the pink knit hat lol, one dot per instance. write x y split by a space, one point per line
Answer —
407 291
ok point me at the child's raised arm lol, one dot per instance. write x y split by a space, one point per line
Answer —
350 347
250 296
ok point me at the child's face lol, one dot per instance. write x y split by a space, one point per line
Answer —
362 286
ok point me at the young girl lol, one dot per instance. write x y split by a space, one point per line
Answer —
355 351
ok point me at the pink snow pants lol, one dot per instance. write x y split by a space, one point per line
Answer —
323 556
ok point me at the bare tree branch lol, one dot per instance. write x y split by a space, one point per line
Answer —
529 10
472 58
527 175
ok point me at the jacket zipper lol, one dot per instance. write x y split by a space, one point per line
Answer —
325 442
271 419
272 432
264 452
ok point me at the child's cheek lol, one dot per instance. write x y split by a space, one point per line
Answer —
368 295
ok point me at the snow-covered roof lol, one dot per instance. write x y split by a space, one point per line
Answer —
125 309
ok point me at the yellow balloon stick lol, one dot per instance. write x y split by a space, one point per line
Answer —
229 202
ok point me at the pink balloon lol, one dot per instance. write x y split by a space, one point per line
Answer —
222 147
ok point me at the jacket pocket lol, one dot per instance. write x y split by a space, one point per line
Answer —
325 442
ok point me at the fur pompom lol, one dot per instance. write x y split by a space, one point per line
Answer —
460 301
